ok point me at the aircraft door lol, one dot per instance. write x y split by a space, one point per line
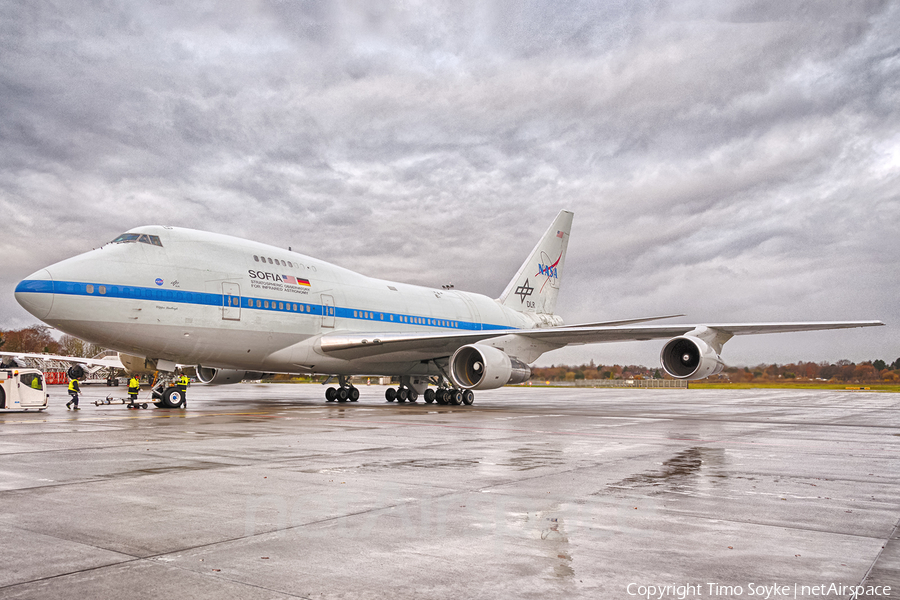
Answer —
231 301
327 311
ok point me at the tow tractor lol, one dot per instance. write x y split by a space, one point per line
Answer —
22 389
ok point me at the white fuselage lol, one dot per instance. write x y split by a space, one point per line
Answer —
213 300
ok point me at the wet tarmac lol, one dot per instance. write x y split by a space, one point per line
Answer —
266 491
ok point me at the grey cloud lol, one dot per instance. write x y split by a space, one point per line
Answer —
728 160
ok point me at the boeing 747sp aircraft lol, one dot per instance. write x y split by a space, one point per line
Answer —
163 296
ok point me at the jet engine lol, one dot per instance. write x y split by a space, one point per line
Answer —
212 376
479 367
688 357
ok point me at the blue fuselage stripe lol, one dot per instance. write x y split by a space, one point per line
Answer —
101 290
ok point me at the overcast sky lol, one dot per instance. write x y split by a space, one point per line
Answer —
732 161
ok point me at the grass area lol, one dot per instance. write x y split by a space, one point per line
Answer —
795 385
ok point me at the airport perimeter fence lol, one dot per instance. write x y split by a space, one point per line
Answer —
616 383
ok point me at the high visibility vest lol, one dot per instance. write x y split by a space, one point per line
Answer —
134 384
73 386
36 383
183 380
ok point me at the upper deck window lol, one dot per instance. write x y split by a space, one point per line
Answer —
143 238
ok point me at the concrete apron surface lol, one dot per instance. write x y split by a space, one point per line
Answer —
266 491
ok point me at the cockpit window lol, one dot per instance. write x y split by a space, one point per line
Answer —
143 238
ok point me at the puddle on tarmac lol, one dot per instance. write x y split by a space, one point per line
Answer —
681 473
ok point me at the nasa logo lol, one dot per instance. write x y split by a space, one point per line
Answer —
159 281
547 271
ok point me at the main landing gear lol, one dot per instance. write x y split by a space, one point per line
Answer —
404 394
443 394
344 393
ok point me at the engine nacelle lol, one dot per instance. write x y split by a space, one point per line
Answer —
478 367
211 376
137 364
688 357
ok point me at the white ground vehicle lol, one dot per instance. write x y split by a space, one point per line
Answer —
22 389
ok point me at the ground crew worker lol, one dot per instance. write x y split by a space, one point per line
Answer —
134 386
74 390
36 382
181 383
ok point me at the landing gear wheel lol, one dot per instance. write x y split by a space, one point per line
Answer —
441 397
429 395
354 394
402 395
390 394
454 397
413 395
342 394
172 398
330 394
468 397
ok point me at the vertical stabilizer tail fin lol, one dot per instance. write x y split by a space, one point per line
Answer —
535 287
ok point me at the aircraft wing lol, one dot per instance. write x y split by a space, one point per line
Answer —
425 346
112 362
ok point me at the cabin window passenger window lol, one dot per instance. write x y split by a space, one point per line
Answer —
290 264
256 258
280 306
295 307
265 304
270 260
102 289
258 304
90 289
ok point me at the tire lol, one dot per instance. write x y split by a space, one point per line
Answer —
441 396
390 394
455 398
354 394
342 394
144 405
402 395
413 395
330 394
429 395
468 397
172 398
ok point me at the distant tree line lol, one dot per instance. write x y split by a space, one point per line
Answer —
37 339
841 371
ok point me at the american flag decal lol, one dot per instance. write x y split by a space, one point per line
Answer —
559 234
289 279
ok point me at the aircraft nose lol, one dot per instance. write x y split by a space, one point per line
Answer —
35 293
